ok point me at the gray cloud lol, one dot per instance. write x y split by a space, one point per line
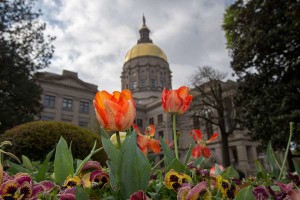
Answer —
94 36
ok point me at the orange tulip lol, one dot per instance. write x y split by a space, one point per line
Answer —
176 101
115 112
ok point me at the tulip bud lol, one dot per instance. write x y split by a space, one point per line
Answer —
113 138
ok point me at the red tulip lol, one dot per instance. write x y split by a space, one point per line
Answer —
115 112
201 149
176 101
147 140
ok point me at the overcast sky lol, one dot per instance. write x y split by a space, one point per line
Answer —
94 36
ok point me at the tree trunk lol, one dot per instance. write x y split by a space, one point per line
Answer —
225 150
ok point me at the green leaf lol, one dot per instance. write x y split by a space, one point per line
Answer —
110 149
26 162
113 154
63 162
271 158
134 168
15 168
168 153
200 161
261 172
245 193
230 173
81 194
177 166
218 170
41 175
188 155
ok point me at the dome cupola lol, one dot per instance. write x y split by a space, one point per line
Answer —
146 69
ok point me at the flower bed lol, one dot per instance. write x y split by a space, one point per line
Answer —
129 174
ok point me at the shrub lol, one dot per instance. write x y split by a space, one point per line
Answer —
36 139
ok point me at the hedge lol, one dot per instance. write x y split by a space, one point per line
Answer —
36 139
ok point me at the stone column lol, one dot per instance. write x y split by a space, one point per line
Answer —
243 159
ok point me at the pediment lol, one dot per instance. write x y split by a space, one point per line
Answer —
69 81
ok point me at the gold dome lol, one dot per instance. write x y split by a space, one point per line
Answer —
145 49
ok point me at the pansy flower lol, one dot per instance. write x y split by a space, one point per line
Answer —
97 178
147 140
174 180
190 193
13 190
227 189
72 182
201 149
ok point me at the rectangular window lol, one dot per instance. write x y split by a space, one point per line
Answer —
153 82
161 134
49 101
151 121
139 123
47 118
161 83
133 85
84 107
143 83
67 104
160 118
83 124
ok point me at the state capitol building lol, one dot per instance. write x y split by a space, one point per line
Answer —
146 72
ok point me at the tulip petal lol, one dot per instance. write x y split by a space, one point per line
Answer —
150 130
101 97
213 137
154 145
196 152
196 135
205 151
112 109
116 96
173 102
142 141
101 115
126 115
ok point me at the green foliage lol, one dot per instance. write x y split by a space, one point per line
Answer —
129 168
273 161
23 49
133 168
264 43
63 162
168 153
42 172
36 139
246 193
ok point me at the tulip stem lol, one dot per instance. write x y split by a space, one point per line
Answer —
175 135
287 150
118 139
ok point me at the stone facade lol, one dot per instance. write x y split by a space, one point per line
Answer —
67 98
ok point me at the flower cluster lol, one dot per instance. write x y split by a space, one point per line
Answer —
130 173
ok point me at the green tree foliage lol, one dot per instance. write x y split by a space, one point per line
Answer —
23 49
264 42
36 139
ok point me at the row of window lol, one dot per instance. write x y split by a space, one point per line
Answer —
80 123
67 104
153 83
139 122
